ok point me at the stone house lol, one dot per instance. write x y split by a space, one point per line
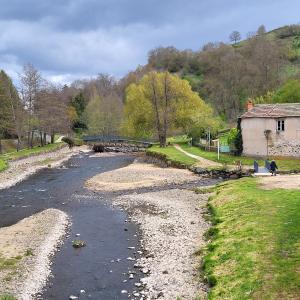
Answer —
271 129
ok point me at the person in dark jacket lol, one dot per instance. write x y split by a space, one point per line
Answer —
273 167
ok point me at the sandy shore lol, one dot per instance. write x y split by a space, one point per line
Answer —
25 250
20 169
139 175
171 224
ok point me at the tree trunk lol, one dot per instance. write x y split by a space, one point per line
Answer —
162 140
28 139
19 143
31 140
41 139
45 138
1 146
52 138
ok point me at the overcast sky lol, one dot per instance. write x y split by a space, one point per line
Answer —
69 39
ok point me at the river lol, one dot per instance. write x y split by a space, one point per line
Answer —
99 270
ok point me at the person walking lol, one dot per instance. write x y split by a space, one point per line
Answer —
273 167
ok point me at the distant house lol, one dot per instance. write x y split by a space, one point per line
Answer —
271 129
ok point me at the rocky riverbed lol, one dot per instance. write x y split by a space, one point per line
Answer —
25 250
22 168
169 214
141 224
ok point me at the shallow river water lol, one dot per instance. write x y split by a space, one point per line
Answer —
100 268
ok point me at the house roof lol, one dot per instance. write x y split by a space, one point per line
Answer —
281 110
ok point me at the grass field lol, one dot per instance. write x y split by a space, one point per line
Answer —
4 158
173 155
284 164
255 247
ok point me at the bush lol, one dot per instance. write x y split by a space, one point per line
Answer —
289 92
235 139
78 142
69 141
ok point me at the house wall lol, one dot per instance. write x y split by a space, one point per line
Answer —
282 143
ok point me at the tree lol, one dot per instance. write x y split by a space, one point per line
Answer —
103 114
235 36
51 113
261 30
31 84
139 113
5 113
15 114
168 102
79 103
289 92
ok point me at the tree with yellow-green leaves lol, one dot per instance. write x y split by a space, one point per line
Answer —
161 102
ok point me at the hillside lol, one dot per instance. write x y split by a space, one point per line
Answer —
226 75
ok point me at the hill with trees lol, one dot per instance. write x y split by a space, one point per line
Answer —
176 91
226 75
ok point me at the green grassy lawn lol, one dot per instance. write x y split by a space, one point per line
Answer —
4 158
173 155
284 164
255 248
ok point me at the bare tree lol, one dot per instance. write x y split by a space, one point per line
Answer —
31 83
235 36
51 112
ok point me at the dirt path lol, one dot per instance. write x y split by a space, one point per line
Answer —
202 162
280 182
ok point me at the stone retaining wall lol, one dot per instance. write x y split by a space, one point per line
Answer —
119 147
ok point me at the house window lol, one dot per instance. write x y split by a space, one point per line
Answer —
280 125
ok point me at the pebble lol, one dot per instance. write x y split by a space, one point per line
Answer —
124 292
72 297
130 258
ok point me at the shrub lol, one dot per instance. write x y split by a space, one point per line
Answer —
68 140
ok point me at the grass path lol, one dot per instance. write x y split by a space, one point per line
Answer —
202 162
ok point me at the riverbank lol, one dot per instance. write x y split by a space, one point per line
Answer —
254 250
171 223
25 250
21 168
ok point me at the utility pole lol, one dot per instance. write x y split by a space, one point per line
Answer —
208 139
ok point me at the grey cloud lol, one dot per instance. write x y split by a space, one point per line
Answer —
70 38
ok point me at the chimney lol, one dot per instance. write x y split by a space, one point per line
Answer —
249 104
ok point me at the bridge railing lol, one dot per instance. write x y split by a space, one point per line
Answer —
115 138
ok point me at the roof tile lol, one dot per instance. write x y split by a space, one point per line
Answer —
281 110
